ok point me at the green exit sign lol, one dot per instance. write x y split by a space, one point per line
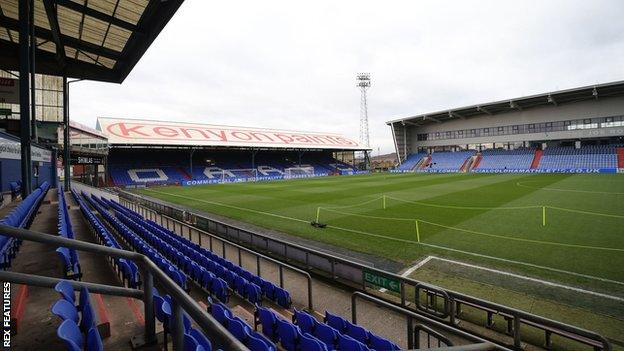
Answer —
5 112
381 281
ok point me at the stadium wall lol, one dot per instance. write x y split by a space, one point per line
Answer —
10 166
606 107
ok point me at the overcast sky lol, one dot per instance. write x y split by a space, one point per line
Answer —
292 64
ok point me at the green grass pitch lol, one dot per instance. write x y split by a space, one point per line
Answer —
495 220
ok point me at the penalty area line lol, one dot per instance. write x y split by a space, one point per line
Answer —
411 270
404 240
514 275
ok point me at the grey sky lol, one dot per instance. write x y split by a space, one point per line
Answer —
292 64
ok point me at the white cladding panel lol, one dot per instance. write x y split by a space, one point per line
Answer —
604 107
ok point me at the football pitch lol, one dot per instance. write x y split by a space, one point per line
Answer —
557 227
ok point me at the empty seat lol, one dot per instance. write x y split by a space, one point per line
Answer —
310 343
305 321
335 322
201 339
288 335
327 334
65 310
380 344
268 320
347 343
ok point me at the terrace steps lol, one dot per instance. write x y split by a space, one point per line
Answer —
477 162
537 158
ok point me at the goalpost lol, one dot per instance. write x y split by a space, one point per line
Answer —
238 175
298 172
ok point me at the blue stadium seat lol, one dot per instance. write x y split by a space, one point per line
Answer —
282 297
357 332
239 329
201 339
327 335
69 332
381 344
305 321
256 342
66 290
310 343
191 344
347 343
336 322
288 335
220 312
268 320
94 340
65 310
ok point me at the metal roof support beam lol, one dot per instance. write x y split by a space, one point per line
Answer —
432 119
551 100
513 104
411 123
484 110
52 14
456 115
96 14
46 34
24 97
33 98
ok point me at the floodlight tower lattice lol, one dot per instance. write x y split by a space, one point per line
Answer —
364 82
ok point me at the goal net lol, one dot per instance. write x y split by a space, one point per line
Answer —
298 172
239 175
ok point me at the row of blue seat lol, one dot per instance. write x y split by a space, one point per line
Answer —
16 188
254 340
308 334
200 264
20 217
77 321
138 244
68 256
194 339
290 336
129 270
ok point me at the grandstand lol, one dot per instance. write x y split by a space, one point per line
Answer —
99 267
218 154
576 130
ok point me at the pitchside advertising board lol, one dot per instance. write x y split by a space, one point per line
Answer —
500 171
11 149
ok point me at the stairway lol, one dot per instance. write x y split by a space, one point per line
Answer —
476 163
536 159
425 162
186 175
465 167
620 157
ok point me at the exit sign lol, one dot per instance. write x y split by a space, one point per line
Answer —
379 280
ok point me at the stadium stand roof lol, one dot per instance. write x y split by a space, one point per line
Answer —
96 40
591 92
138 132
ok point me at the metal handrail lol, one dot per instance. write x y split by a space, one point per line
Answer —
258 256
517 317
149 270
411 316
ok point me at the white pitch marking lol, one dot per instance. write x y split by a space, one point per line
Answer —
545 282
404 240
412 269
